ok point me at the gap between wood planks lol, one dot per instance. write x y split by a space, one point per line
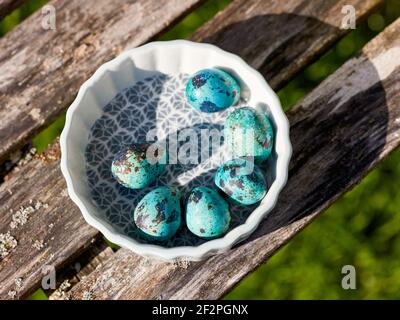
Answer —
70 235
340 131
8 6
80 268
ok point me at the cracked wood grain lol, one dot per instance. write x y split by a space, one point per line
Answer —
41 70
52 235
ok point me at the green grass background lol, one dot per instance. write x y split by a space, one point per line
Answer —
362 228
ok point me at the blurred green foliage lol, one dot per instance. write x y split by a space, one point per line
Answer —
362 228
38 295
26 9
194 20
47 136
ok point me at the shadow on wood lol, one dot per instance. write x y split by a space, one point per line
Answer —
335 134
288 39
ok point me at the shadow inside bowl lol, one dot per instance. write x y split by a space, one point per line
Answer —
155 109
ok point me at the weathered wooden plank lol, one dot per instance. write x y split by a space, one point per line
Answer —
7 6
313 26
42 176
344 128
46 233
38 79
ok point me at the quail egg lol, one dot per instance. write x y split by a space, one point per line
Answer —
249 133
207 213
136 167
158 214
242 181
212 90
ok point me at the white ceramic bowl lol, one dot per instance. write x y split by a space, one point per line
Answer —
143 88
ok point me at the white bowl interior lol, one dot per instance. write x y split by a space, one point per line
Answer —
143 89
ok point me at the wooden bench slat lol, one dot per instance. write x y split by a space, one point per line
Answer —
41 173
38 79
294 32
8 6
56 228
344 128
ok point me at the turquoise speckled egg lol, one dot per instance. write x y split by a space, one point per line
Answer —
242 181
249 133
134 170
207 213
158 214
212 90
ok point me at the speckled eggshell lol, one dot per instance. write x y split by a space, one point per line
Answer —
212 90
132 169
207 213
242 181
244 143
158 214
